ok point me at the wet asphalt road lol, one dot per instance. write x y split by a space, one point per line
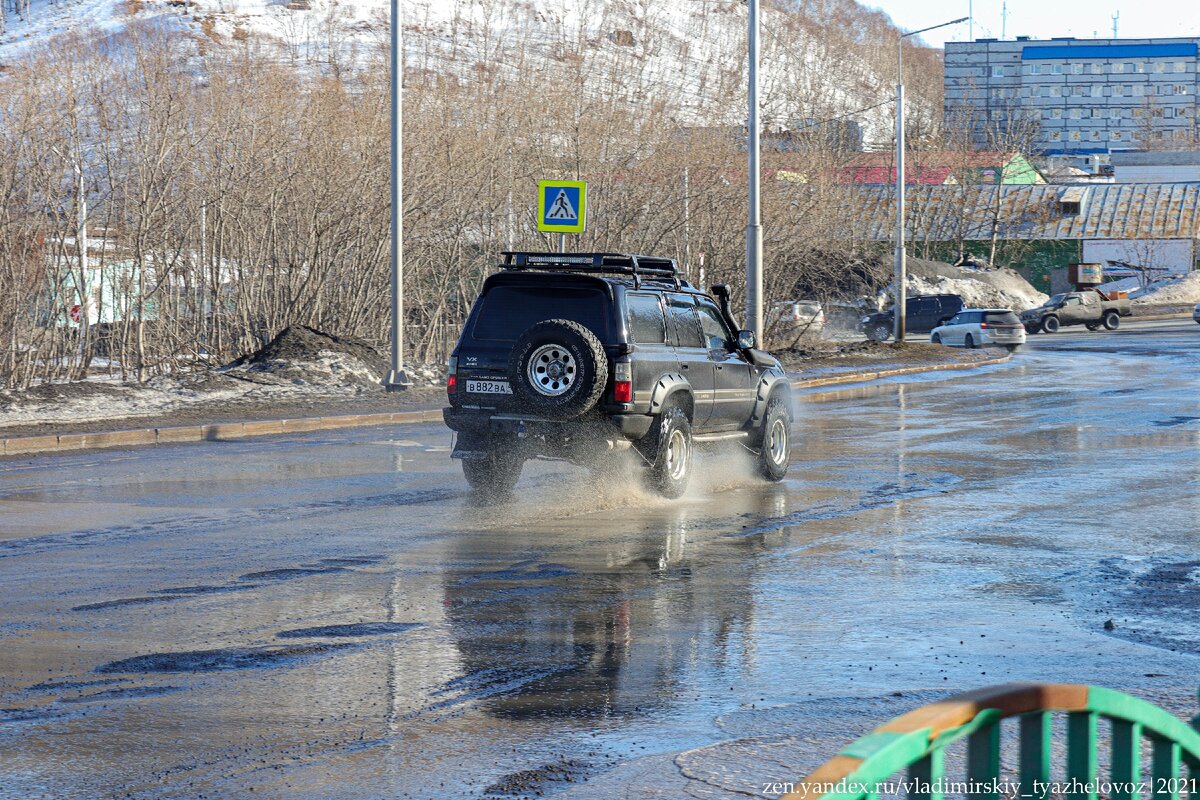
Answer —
328 615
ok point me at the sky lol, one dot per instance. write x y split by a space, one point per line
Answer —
1042 20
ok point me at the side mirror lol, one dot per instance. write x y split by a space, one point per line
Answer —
746 340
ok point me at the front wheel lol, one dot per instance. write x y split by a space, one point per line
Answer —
1092 326
668 448
776 449
1050 325
935 339
1012 348
1112 321
879 332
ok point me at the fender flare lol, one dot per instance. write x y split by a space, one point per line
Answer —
769 385
668 386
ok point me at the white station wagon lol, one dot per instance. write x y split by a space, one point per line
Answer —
981 327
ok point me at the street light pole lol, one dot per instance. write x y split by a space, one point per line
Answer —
900 312
754 276
397 379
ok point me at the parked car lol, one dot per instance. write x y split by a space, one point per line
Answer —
573 356
1196 313
1091 307
923 314
794 319
981 327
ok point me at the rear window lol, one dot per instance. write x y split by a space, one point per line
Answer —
1002 318
507 311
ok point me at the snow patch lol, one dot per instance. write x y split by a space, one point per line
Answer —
1180 291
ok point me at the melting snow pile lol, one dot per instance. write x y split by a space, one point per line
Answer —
300 356
1183 291
997 288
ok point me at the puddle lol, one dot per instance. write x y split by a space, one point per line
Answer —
127 601
123 693
218 660
288 573
354 629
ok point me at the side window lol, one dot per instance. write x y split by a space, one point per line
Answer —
716 335
685 328
957 320
646 323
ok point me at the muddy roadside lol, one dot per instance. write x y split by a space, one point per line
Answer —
306 375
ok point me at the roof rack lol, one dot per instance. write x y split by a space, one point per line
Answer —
640 267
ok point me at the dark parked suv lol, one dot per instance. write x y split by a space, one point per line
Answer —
575 356
923 314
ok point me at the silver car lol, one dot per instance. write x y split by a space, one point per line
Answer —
981 327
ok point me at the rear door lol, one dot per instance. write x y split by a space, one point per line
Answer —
688 340
654 354
923 314
733 377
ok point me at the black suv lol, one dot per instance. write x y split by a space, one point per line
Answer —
923 314
575 356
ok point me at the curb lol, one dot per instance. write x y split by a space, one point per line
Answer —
216 432
232 431
867 377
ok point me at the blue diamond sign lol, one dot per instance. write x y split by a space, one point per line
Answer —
562 206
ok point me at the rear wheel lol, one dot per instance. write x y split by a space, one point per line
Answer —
969 341
1012 348
776 448
491 471
879 332
668 448
1112 321
1050 325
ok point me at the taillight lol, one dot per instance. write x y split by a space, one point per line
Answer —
622 382
983 324
452 375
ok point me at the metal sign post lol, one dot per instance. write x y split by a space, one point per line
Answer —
562 209
397 379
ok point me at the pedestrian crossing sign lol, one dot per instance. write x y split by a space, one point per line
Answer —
562 206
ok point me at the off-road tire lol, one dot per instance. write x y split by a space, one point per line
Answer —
773 453
1050 324
1112 321
969 342
666 475
492 477
587 384
879 332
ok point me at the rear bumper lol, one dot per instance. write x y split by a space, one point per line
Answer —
624 426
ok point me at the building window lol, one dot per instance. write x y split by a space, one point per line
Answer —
1056 91
1160 66
1137 90
997 72
1180 66
1034 69
1068 208
1181 88
1056 113
1077 69
1096 136
1058 69
1118 90
1116 136
1168 113
1129 67
1141 66
1075 113
1138 113
1118 68
1056 136
1097 90
1074 136
1097 69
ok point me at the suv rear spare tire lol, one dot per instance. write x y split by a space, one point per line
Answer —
558 369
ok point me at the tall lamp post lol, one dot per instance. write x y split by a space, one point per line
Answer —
901 271
397 379
754 276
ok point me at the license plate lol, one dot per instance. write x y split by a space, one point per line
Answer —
489 387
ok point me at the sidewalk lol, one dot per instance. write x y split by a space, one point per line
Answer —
70 440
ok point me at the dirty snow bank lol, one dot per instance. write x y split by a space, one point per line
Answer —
299 364
1180 291
997 288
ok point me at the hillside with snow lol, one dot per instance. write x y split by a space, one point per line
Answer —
688 57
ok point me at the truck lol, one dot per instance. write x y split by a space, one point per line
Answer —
1090 307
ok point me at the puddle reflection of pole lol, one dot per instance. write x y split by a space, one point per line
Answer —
901 453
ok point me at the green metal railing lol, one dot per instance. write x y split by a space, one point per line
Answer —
917 742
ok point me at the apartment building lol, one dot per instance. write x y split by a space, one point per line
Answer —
1085 95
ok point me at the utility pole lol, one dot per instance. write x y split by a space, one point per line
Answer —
754 276
900 314
1116 21
1004 21
397 379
